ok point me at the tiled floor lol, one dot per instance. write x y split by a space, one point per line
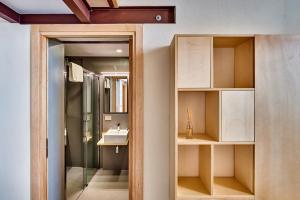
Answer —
74 182
105 185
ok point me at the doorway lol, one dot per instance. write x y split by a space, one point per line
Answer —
96 117
40 92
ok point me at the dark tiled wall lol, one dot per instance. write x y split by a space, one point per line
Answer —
115 118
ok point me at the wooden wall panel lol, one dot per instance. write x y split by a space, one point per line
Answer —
173 124
277 117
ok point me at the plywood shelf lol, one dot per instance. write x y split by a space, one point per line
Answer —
229 186
214 89
197 139
191 187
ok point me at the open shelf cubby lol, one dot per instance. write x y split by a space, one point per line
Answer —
233 62
233 170
203 107
194 171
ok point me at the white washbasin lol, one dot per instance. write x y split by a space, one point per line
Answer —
115 136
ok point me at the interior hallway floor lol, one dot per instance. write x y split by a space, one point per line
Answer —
74 178
105 185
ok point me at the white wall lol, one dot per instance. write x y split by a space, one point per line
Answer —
14 112
193 16
203 17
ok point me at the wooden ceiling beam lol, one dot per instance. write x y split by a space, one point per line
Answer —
113 3
49 19
80 10
131 14
121 15
9 14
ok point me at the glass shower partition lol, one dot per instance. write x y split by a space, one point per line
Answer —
90 120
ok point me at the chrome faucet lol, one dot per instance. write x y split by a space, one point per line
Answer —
118 124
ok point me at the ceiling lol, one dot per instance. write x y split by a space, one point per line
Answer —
97 50
87 14
2 20
97 3
38 6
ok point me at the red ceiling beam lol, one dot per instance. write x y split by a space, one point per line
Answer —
135 15
121 15
49 19
8 14
80 10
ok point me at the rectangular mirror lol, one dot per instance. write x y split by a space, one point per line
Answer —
115 94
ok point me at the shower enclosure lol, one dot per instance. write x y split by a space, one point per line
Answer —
82 133
91 124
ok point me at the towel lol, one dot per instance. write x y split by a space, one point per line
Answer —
75 73
107 83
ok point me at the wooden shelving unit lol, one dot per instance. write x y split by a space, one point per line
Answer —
218 161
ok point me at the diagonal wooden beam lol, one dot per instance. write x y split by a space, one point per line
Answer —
80 10
113 3
9 14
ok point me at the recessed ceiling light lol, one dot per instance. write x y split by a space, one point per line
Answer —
119 50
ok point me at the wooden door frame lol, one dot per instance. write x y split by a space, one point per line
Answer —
38 100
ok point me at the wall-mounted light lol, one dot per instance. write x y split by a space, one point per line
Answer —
115 74
119 50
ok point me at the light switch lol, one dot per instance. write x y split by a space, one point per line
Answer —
107 117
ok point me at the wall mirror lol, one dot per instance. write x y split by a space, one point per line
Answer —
115 94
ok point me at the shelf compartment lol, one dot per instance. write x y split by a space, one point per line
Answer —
191 187
233 170
233 59
214 89
229 186
205 117
194 171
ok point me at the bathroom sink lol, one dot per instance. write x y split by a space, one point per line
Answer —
116 136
